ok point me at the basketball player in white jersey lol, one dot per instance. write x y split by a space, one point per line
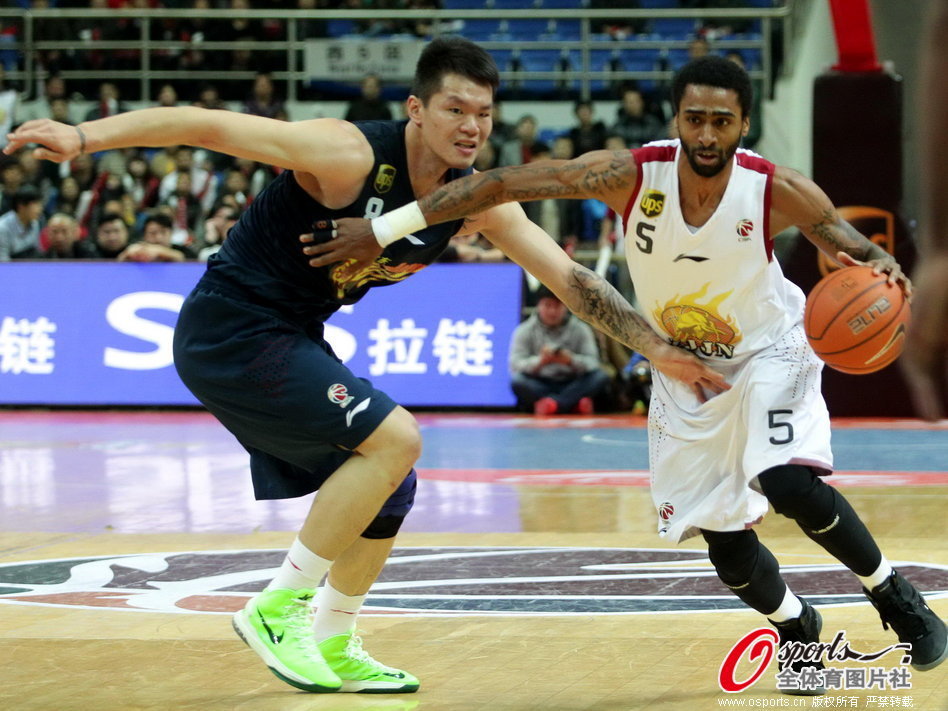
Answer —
700 217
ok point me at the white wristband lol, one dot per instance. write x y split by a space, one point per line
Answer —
396 224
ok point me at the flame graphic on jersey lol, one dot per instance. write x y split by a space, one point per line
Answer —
698 327
379 270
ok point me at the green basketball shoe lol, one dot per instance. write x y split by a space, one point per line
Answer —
277 625
359 672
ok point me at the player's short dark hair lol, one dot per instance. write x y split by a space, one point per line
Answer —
452 55
715 71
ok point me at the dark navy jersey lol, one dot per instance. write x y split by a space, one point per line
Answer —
263 257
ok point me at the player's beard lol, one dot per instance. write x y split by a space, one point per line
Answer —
709 171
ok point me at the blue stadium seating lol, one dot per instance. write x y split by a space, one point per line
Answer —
658 4
479 30
514 4
562 4
527 29
679 26
340 28
465 4
540 60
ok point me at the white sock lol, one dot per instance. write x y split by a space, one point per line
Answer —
335 613
877 578
301 569
789 609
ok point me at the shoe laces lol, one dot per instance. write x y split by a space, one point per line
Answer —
901 611
298 621
355 652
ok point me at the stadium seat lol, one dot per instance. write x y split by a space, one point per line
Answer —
465 4
340 28
673 26
540 60
514 4
562 4
658 4
527 29
480 30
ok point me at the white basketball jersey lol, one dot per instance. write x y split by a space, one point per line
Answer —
718 291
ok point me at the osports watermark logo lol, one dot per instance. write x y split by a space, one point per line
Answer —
762 645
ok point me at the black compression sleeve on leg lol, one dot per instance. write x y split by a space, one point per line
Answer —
747 567
383 527
823 514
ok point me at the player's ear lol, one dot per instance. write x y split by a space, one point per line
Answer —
745 125
413 109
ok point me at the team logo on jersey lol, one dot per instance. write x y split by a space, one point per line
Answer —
653 202
339 395
380 271
431 581
666 510
744 228
385 178
698 327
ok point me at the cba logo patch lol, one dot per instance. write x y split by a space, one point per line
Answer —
666 510
339 395
744 228
431 581
653 202
385 178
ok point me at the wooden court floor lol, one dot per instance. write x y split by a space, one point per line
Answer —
529 575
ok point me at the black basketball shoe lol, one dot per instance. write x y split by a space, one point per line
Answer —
804 629
902 608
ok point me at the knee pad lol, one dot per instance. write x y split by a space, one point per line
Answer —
733 554
394 510
797 493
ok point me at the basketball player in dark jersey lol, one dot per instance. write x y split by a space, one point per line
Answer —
249 339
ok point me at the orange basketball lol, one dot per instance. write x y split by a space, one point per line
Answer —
855 320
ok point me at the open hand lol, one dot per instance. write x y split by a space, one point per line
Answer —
58 142
345 240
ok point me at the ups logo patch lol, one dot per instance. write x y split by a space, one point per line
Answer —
653 202
385 178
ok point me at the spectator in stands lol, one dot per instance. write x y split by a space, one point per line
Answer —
167 95
109 102
186 210
216 227
63 235
54 90
20 227
370 106
526 146
587 135
633 123
698 47
562 219
209 98
203 182
554 361
501 131
111 236
11 180
140 183
263 101
65 197
155 245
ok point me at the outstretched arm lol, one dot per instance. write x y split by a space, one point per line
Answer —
608 176
335 152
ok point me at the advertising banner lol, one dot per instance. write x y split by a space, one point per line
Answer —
81 333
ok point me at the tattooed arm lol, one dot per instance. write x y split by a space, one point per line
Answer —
798 201
608 176
589 296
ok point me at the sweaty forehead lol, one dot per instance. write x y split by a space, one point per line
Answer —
714 99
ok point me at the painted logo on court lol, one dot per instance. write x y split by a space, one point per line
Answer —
431 581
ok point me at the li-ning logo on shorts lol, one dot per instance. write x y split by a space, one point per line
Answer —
339 395
744 228
653 202
384 178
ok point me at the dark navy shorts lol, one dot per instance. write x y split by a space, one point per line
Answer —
279 388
